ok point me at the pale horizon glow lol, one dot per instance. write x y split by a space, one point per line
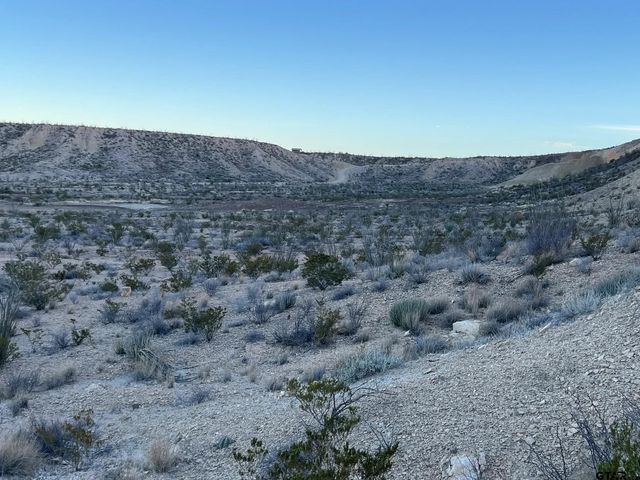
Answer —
412 78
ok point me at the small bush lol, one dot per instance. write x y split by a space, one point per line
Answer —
356 311
436 306
166 254
489 328
70 440
162 456
60 340
343 292
506 311
539 263
409 314
133 282
581 304
16 383
296 335
59 378
179 280
110 312
147 363
9 305
474 299
326 451
474 273
430 344
207 321
322 270
195 397
550 230
324 325
211 286
618 283
365 364
19 455
595 244
109 286
532 289
30 278
285 301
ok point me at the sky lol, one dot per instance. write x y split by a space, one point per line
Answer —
412 78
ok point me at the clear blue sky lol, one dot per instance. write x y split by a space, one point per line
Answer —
429 78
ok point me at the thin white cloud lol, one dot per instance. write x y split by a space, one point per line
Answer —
620 128
563 145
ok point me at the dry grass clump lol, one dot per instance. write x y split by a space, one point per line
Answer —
474 299
162 456
19 455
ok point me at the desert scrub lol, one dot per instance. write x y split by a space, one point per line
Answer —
506 310
618 283
532 289
550 229
325 452
166 254
410 314
254 266
179 280
8 312
147 363
537 266
214 266
207 321
475 299
31 280
19 454
365 364
110 311
322 270
473 273
162 456
425 344
595 244
325 325
71 440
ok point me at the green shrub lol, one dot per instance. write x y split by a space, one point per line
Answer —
142 266
625 451
70 440
178 281
217 265
595 244
207 321
133 282
539 263
322 270
254 266
324 325
325 453
109 286
34 286
410 314
166 254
